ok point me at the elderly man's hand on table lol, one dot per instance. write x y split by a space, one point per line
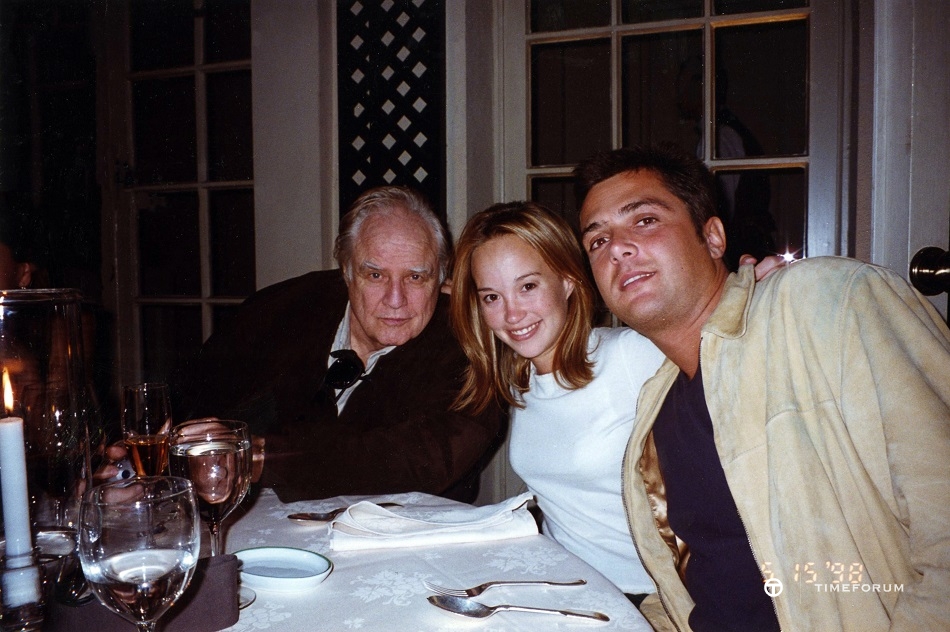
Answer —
117 453
112 458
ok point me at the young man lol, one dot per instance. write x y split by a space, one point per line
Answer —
789 466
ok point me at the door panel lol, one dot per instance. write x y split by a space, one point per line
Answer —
911 166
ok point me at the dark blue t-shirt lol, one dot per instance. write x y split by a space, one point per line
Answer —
722 576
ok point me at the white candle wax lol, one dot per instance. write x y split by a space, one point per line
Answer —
21 582
16 502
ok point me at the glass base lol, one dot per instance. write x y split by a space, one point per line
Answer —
246 597
25 618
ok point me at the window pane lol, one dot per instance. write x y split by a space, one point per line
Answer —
169 262
652 10
744 6
163 34
663 89
763 211
557 194
170 335
232 242
561 15
164 111
227 30
762 89
570 101
230 151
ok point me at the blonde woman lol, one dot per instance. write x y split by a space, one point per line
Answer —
522 307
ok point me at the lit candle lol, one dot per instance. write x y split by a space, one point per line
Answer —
21 579
16 503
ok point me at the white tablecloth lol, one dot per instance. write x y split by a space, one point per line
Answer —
382 590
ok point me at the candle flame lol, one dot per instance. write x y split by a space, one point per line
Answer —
7 393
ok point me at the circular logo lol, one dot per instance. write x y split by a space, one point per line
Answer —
773 587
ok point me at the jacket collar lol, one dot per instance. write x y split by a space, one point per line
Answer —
729 320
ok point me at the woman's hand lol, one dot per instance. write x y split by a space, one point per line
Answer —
767 266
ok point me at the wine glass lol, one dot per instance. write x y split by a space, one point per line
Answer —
215 455
146 421
139 541
57 453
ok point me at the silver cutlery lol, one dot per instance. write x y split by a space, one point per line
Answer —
469 608
477 590
326 516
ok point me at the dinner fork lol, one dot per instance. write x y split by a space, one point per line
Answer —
474 591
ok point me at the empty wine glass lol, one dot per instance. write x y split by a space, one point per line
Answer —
215 455
146 422
139 541
57 454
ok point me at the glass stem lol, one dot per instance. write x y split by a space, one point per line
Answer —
145 626
215 530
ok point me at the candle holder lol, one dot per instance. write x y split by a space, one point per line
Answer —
44 457
22 604
30 582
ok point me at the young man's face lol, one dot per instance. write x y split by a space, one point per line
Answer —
395 282
651 267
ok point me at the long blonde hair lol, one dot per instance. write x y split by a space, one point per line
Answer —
496 372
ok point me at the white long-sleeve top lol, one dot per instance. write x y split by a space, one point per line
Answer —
567 446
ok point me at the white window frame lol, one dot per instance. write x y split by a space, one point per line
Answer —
829 110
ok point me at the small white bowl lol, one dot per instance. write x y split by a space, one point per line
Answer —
282 569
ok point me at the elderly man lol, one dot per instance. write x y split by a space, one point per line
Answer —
799 433
347 376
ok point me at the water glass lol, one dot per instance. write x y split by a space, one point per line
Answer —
139 541
216 457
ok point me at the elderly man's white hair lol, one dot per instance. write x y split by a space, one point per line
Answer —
383 201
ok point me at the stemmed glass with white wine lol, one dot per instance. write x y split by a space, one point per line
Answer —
215 455
139 541
146 422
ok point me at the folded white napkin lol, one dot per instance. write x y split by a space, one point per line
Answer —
366 525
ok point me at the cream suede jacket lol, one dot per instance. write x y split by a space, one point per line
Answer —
828 386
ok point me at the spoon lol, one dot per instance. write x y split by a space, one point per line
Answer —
469 608
326 516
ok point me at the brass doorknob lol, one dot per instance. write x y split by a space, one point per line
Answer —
930 271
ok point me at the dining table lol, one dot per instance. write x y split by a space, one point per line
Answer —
383 589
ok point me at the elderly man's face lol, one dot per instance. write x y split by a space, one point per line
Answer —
395 282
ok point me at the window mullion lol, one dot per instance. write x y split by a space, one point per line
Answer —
616 89
709 91
201 151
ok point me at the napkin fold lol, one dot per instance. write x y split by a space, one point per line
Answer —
366 525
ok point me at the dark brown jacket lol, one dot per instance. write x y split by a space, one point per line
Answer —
396 432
